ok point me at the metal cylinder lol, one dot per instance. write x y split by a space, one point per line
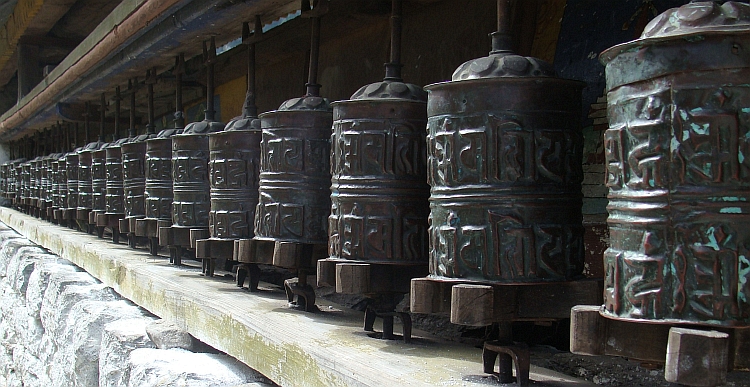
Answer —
159 175
294 193
191 202
71 167
4 179
62 184
504 160
85 191
34 180
233 174
26 182
115 200
99 179
379 185
677 170
134 177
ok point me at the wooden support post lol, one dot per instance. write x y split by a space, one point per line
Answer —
588 330
697 358
472 305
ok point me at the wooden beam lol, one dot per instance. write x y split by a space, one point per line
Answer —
293 348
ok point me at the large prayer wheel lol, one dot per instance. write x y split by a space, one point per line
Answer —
192 202
504 163
85 191
158 183
115 198
71 167
295 179
233 167
134 179
99 179
678 170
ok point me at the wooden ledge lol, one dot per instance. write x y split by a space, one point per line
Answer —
290 347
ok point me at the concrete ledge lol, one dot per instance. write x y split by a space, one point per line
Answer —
290 347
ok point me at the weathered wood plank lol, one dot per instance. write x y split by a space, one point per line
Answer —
292 348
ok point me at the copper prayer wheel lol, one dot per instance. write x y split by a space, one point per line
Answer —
85 192
134 180
71 167
62 188
295 180
34 182
379 185
115 198
99 179
55 177
504 163
158 188
26 181
4 179
677 169
192 202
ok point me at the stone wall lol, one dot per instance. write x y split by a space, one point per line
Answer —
60 327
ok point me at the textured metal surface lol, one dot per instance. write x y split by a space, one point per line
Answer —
99 179
294 193
159 176
504 153
134 176
191 202
55 176
34 178
115 199
233 167
379 185
677 169
71 167
85 192
26 180
62 183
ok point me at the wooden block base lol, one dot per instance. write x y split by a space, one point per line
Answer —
362 277
254 251
694 355
213 250
149 227
174 236
497 302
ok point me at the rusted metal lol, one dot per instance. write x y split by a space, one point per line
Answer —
677 169
114 202
159 172
234 163
134 168
294 192
190 153
379 188
504 154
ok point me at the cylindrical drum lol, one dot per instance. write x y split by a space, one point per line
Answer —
54 177
159 175
85 193
4 178
62 187
233 173
190 153
134 177
678 169
44 188
71 166
26 181
295 179
99 179
504 153
21 181
34 180
379 188
115 199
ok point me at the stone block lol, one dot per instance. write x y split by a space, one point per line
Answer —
167 335
119 339
178 367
